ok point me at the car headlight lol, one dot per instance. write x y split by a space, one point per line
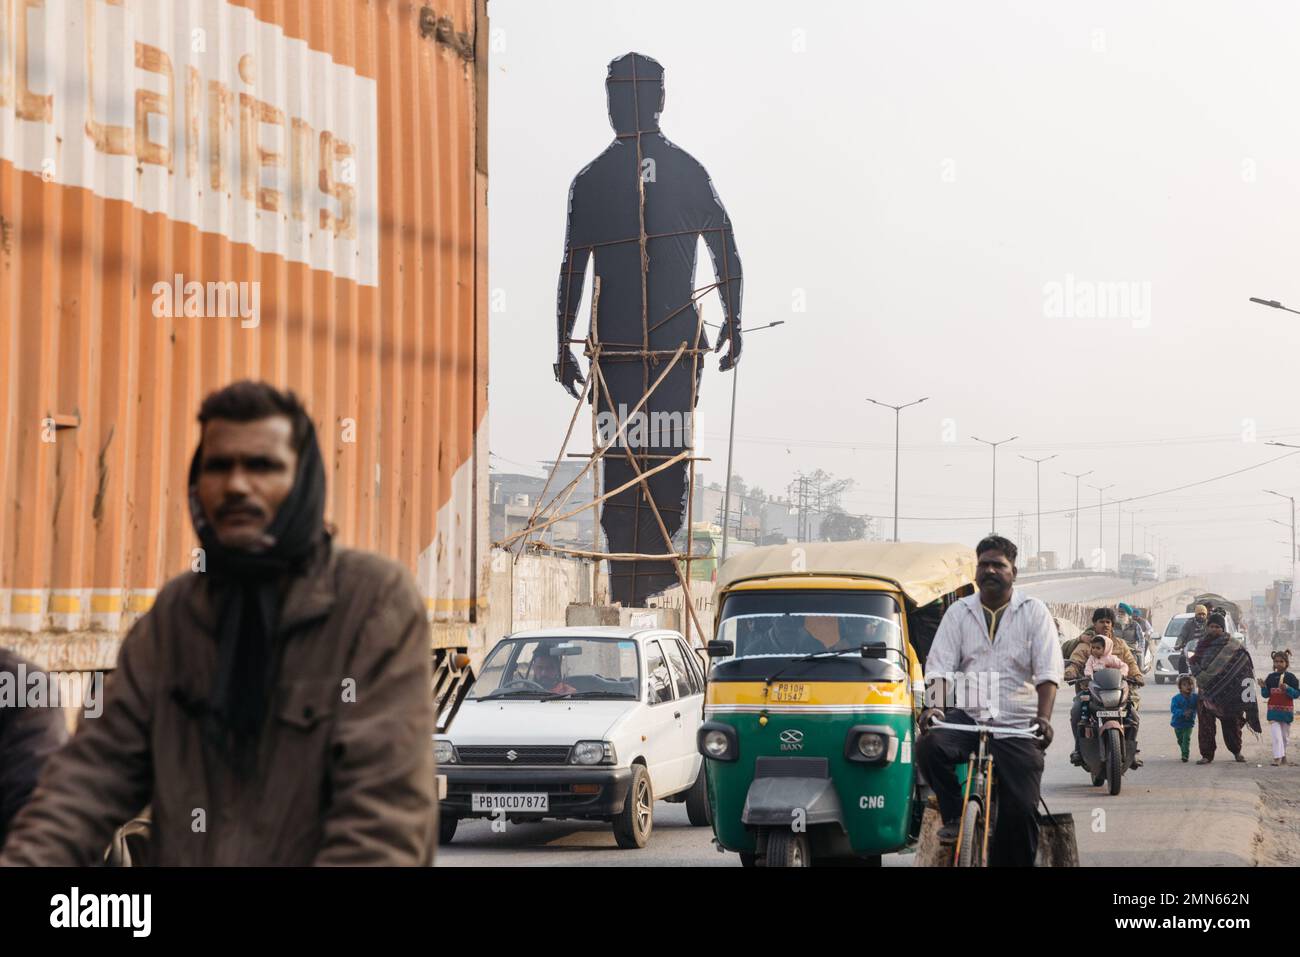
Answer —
444 752
593 752
871 746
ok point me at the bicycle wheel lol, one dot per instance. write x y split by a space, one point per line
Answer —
971 851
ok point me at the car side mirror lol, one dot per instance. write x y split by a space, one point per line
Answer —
721 649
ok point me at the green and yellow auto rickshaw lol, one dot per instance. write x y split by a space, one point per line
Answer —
814 692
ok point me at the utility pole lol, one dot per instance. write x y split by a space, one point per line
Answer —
1076 478
897 415
1038 486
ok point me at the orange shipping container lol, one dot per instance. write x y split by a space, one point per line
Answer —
195 191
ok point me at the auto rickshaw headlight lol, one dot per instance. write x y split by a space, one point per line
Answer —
872 746
718 741
716 744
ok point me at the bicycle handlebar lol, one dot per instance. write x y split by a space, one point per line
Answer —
996 731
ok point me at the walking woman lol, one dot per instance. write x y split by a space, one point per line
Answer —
1225 675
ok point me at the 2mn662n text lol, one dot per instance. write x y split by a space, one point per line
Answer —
1187 897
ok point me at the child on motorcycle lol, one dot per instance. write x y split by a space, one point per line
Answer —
1103 656
1182 710
1282 688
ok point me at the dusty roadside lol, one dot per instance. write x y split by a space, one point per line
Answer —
1277 841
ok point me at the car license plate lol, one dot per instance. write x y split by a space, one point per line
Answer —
1108 714
509 802
790 691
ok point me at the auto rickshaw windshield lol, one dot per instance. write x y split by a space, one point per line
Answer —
785 624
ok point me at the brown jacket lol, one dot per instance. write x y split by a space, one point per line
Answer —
1074 667
344 770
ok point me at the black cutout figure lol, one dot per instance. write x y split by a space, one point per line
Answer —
643 192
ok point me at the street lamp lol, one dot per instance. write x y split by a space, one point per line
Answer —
897 414
1076 478
1038 485
1274 304
994 446
731 446
1101 510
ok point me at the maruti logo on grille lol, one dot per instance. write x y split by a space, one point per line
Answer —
512 754
791 740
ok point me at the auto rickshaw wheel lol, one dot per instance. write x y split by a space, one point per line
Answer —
787 849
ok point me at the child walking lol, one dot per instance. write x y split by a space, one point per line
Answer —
1182 710
1282 689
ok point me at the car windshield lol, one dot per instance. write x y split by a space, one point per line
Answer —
797 623
1175 626
569 667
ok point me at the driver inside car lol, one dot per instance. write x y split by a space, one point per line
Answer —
546 672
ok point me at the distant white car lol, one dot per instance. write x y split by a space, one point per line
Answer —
1167 659
588 723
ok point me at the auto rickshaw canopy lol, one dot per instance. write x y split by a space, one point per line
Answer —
922 572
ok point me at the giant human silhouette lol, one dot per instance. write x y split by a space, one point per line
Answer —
644 193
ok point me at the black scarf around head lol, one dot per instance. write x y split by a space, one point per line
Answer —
249 594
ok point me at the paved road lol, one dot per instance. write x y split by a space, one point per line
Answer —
1167 813
1090 588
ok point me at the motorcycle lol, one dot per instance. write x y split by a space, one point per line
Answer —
1103 748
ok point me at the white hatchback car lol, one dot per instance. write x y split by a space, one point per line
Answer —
588 723
1169 661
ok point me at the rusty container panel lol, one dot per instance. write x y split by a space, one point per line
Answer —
197 191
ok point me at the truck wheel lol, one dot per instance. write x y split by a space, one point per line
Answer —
633 825
1114 759
447 827
698 811
747 859
787 849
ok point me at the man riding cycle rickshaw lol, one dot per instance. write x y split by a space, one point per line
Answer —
996 664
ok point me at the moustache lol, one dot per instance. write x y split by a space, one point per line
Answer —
235 508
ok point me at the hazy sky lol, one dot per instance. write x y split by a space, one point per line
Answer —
934 180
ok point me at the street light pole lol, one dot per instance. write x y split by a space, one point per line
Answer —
731 446
1038 487
1076 478
1291 499
1101 511
994 445
898 409
1273 303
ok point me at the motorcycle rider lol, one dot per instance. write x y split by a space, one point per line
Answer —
1192 632
1133 629
1103 620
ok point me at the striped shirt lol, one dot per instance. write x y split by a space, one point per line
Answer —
995 679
